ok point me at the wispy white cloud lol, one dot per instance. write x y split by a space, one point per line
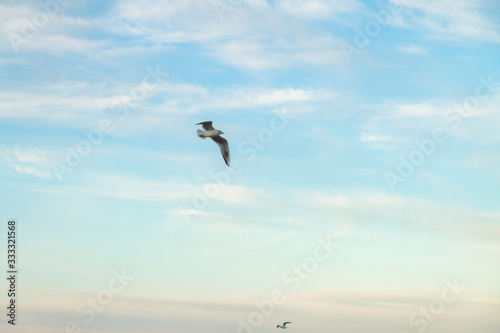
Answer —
416 212
317 9
403 121
233 40
413 212
53 105
424 109
365 137
262 53
129 311
191 99
462 20
127 187
30 161
87 102
412 49
60 44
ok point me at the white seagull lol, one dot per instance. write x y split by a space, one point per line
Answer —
284 324
211 132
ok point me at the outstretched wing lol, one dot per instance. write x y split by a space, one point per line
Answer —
224 147
286 322
207 125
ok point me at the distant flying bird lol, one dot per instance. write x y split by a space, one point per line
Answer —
211 132
284 325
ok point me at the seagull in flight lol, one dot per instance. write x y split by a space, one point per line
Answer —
211 132
284 325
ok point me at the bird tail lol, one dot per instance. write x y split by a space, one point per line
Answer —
199 134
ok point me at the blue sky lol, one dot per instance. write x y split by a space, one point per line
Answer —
370 125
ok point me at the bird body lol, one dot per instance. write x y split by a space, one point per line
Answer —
214 134
209 133
284 325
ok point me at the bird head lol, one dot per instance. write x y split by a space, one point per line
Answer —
220 132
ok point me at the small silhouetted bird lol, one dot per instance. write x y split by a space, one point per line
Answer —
211 132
